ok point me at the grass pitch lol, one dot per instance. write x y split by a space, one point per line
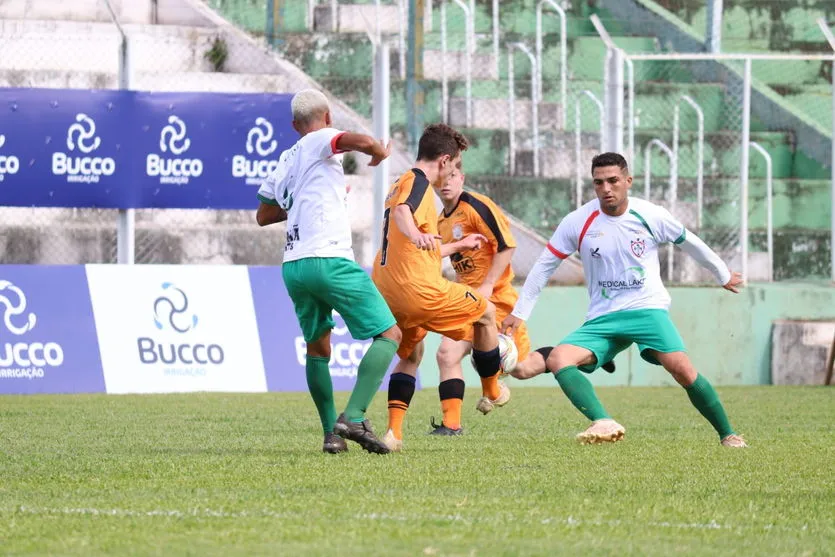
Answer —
244 475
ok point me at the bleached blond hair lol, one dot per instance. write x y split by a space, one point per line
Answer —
307 105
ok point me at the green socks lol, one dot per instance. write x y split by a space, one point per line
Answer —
372 369
321 389
579 391
706 401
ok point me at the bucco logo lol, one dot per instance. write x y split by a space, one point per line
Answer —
260 142
81 137
173 170
9 164
185 357
23 359
346 353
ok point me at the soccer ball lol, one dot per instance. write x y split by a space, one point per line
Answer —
508 353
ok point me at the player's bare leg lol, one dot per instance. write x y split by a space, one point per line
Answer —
531 366
701 394
400 392
565 360
451 387
534 364
488 361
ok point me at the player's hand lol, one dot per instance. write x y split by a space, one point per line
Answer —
426 241
381 153
510 324
735 283
472 241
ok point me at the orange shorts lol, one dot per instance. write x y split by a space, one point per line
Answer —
504 305
445 307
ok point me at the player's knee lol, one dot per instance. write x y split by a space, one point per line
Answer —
563 356
445 357
320 348
393 333
489 315
417 354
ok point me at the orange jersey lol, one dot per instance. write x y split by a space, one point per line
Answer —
400 263
477 214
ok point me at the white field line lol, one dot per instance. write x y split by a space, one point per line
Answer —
382 517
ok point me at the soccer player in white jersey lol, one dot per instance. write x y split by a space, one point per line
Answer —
308 190
618 237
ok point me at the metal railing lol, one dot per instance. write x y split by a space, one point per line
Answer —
700 150
468 62
578 128
512 102
769 207
673 186
563 55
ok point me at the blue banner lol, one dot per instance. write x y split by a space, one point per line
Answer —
66 148
282 344
126 149
48 341
208 150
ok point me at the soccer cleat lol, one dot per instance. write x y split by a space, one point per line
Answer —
609 366
441 429
360 433
735 441
485 405
394 444
602 431
334 444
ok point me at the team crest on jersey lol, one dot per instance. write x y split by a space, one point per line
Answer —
638 247
457 232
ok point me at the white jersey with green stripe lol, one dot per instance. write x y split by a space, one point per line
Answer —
310 185
619 254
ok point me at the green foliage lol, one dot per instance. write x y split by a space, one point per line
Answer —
218 54
349 163
215 474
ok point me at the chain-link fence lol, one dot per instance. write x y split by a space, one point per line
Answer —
684 120
38 50
532 133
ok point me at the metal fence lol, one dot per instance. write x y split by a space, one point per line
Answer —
538 93
106 54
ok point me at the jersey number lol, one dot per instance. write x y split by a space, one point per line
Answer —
384 249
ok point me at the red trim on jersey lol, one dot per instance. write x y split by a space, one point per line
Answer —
333 143
586 228
555 251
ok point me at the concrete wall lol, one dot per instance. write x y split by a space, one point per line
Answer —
728 336
168 12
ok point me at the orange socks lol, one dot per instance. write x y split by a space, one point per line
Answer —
401 390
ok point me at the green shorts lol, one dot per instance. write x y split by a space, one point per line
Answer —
319 285
610 334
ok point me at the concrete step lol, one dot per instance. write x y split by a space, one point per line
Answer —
483 65
359 18
94 47
494 114
168 12
174 82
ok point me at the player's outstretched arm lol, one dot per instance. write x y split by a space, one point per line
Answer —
269 214
501 259
707 258
377 150
405 223
472 241
536 281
